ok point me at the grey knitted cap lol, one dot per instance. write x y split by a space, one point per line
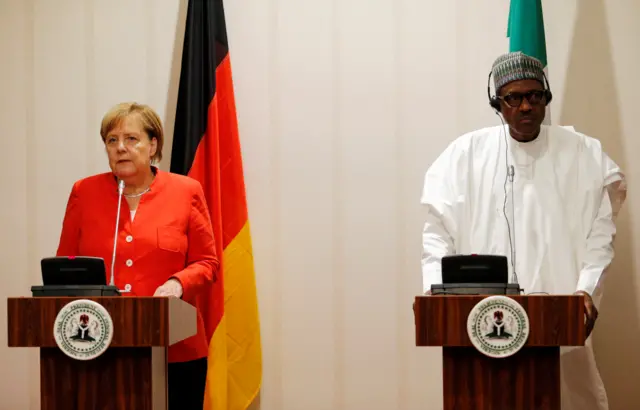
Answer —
516 66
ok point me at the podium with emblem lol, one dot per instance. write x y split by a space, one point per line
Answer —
101 352
500 352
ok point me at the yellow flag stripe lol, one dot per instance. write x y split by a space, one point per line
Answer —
215 397
235 352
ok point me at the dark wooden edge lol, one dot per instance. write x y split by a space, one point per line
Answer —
555 320
137 321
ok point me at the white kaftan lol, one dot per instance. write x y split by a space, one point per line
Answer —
566 192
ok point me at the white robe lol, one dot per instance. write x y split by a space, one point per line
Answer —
566 193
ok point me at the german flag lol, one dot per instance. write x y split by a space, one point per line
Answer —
206 147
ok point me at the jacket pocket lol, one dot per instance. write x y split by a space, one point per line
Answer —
172 239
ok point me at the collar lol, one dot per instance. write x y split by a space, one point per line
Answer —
155 186
525 153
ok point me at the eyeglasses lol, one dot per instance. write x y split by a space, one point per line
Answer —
534 97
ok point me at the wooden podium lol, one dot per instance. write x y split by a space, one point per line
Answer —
130 374
529 379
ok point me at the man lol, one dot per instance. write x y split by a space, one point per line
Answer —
544 196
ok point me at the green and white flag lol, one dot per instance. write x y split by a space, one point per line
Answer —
526 32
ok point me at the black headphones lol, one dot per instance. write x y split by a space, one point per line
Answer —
494 102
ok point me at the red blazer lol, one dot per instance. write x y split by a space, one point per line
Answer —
170 237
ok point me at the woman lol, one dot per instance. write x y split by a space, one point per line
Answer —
165 244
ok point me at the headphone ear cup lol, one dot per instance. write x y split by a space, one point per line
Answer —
495 103
548 96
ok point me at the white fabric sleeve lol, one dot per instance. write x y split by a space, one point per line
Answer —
599 247
439 200
616 184
599 250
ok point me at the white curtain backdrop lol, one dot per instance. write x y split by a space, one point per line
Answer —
342 107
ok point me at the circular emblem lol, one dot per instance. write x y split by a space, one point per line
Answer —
83 329
498 326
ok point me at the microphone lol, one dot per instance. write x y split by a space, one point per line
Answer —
512 174
115 236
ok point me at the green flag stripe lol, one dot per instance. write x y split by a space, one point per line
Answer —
525 29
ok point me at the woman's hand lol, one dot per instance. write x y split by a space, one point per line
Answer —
172 287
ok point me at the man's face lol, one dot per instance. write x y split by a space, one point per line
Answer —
523 108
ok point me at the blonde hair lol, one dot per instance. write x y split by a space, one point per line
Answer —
149 120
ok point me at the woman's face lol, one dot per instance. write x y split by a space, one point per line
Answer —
129 148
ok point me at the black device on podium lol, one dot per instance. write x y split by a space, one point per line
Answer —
475 275
74 276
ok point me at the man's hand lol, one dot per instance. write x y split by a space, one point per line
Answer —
172 287
427 293
590 311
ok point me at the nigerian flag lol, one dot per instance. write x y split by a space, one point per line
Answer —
526 31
